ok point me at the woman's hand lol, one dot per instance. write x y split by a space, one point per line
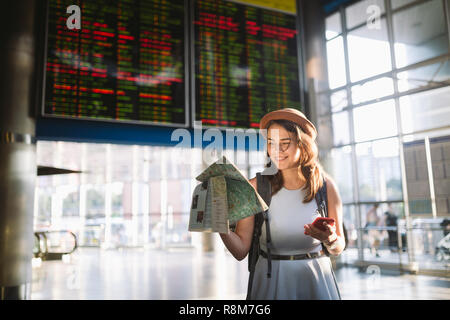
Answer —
333 236
328 236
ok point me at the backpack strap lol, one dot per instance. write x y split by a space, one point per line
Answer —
322 206
321 200
264 189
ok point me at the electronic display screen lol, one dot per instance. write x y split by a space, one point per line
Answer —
246 63
126 62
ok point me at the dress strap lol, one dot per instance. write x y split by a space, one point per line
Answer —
265 189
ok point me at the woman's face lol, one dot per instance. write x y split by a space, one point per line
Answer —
282 146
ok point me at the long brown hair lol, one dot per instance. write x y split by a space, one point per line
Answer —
309 165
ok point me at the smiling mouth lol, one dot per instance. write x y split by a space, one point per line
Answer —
281 159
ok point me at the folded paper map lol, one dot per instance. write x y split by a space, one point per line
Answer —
223 197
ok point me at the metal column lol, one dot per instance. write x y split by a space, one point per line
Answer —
17 146
312 31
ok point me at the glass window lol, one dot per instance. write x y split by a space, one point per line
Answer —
68 154
379 170
417 177
121 235
349 216
333 26
94 163
45 152
176 168
372 90
176 187
336 63
154 162
425 110
342 173
363 11
440 160
430 134
178 210
375 121
182 159
43 217
95 202
71 204
338 100
120 186
122 164
368 51
122 198
395 4
44 181
434 74
420 33
156 226
341 130
142 217
117 199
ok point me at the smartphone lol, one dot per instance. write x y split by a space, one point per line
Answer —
318 223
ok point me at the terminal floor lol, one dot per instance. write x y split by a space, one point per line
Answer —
186 273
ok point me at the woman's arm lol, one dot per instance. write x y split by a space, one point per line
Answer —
333 238
335 212
239 241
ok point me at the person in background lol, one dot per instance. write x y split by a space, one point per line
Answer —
445 224
391 221
373 220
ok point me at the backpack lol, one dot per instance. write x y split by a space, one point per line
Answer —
264 188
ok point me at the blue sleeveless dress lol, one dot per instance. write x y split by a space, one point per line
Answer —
296 279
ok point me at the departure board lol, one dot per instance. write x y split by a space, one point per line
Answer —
125 63
246 63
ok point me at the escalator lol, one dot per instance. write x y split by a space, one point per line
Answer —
53 245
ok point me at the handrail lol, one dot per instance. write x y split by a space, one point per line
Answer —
75 246
46 254
396 228
42 240
38 252
430 237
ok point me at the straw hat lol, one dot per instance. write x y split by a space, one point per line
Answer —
292 115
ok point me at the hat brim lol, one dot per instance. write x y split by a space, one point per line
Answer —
295 117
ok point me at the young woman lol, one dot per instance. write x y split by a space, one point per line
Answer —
300 269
